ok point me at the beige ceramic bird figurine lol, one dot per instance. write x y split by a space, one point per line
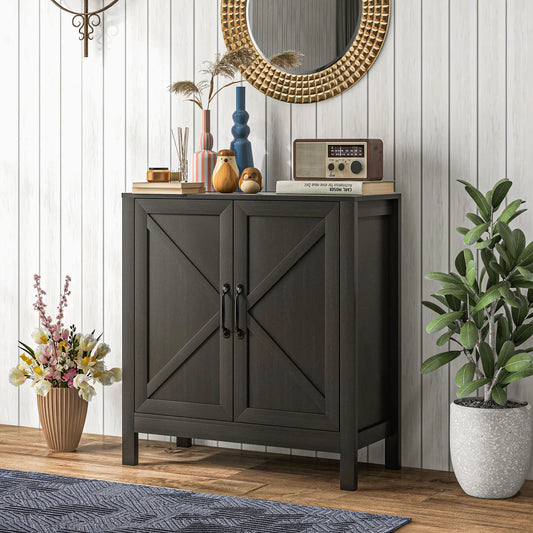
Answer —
251 181
226 173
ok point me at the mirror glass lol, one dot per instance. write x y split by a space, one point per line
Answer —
320 30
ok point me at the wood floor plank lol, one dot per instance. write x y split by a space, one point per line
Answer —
433 499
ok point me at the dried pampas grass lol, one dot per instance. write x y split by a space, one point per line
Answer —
287 60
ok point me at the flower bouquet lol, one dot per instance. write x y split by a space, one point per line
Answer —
63 367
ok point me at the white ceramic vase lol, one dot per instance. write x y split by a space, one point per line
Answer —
490 449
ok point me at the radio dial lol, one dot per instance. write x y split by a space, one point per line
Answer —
341 166
356 167
331 166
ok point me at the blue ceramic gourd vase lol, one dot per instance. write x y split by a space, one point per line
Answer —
240 130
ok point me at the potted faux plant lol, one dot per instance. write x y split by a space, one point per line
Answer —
62 368
485 311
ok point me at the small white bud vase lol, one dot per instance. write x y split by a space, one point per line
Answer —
490 449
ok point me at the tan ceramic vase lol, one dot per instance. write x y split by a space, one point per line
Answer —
62 413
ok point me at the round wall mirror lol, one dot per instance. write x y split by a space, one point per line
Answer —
320 30
338 40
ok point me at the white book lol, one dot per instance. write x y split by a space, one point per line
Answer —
335 187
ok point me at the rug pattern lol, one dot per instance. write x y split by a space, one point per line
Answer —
32 502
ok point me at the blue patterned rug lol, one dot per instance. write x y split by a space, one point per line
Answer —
44 503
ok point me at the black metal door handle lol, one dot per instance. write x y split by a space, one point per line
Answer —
225 291
239 333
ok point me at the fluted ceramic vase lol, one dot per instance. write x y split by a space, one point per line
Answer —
240 130
62 413
203 161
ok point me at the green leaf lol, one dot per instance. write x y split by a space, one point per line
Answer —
461 230
441 321
499 395
475 219
520 313
505 353
468 335
498 269
469 388
487 359
462 259
445 337
492 294
475 233
459 294
434 307
515 376
526 256
482 245
522 333
471 272
453 303
509 211
500 191
481 202
465 374
440 299
518 362
526 273
487 256
436 361
519 241
444 278
507 236
517 214
501 250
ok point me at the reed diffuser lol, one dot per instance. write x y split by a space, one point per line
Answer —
181 149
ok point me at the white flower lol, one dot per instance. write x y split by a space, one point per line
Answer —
39 337
42 387
80 381
102 350
16 377
87 392
117 373
59 368
105 378
87 343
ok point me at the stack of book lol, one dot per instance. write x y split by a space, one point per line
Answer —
169 187
335 187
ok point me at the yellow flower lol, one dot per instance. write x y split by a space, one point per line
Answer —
25 358
62 346
38 370
85 361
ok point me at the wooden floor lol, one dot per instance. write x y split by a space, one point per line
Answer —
432 499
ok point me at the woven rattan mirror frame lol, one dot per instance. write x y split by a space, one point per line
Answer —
307 88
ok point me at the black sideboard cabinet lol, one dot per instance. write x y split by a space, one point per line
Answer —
265 319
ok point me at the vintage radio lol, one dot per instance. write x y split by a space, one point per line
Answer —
338 159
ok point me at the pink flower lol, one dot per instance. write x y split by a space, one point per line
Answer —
56 336
64 335
43 359
49 350
70 375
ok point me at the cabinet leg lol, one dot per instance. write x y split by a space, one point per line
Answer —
348 471
130 449
183 442
393 452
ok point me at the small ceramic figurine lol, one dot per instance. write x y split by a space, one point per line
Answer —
251 181
226 173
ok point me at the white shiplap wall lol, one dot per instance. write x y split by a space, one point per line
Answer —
450 95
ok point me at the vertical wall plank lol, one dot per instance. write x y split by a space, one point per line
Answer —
407 36
9 212
435 206
92 208
278 142
182 68
28 189
50 150
114 183
463 126
520 130
381 126
355 126
136 91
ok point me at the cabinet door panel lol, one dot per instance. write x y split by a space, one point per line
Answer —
184 365
286 256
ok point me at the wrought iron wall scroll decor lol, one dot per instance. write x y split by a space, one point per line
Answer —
86 21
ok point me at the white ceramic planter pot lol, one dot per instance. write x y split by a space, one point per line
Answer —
490 449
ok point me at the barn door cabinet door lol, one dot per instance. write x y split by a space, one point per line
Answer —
286 346
183 359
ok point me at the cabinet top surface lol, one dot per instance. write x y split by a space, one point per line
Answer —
265 196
